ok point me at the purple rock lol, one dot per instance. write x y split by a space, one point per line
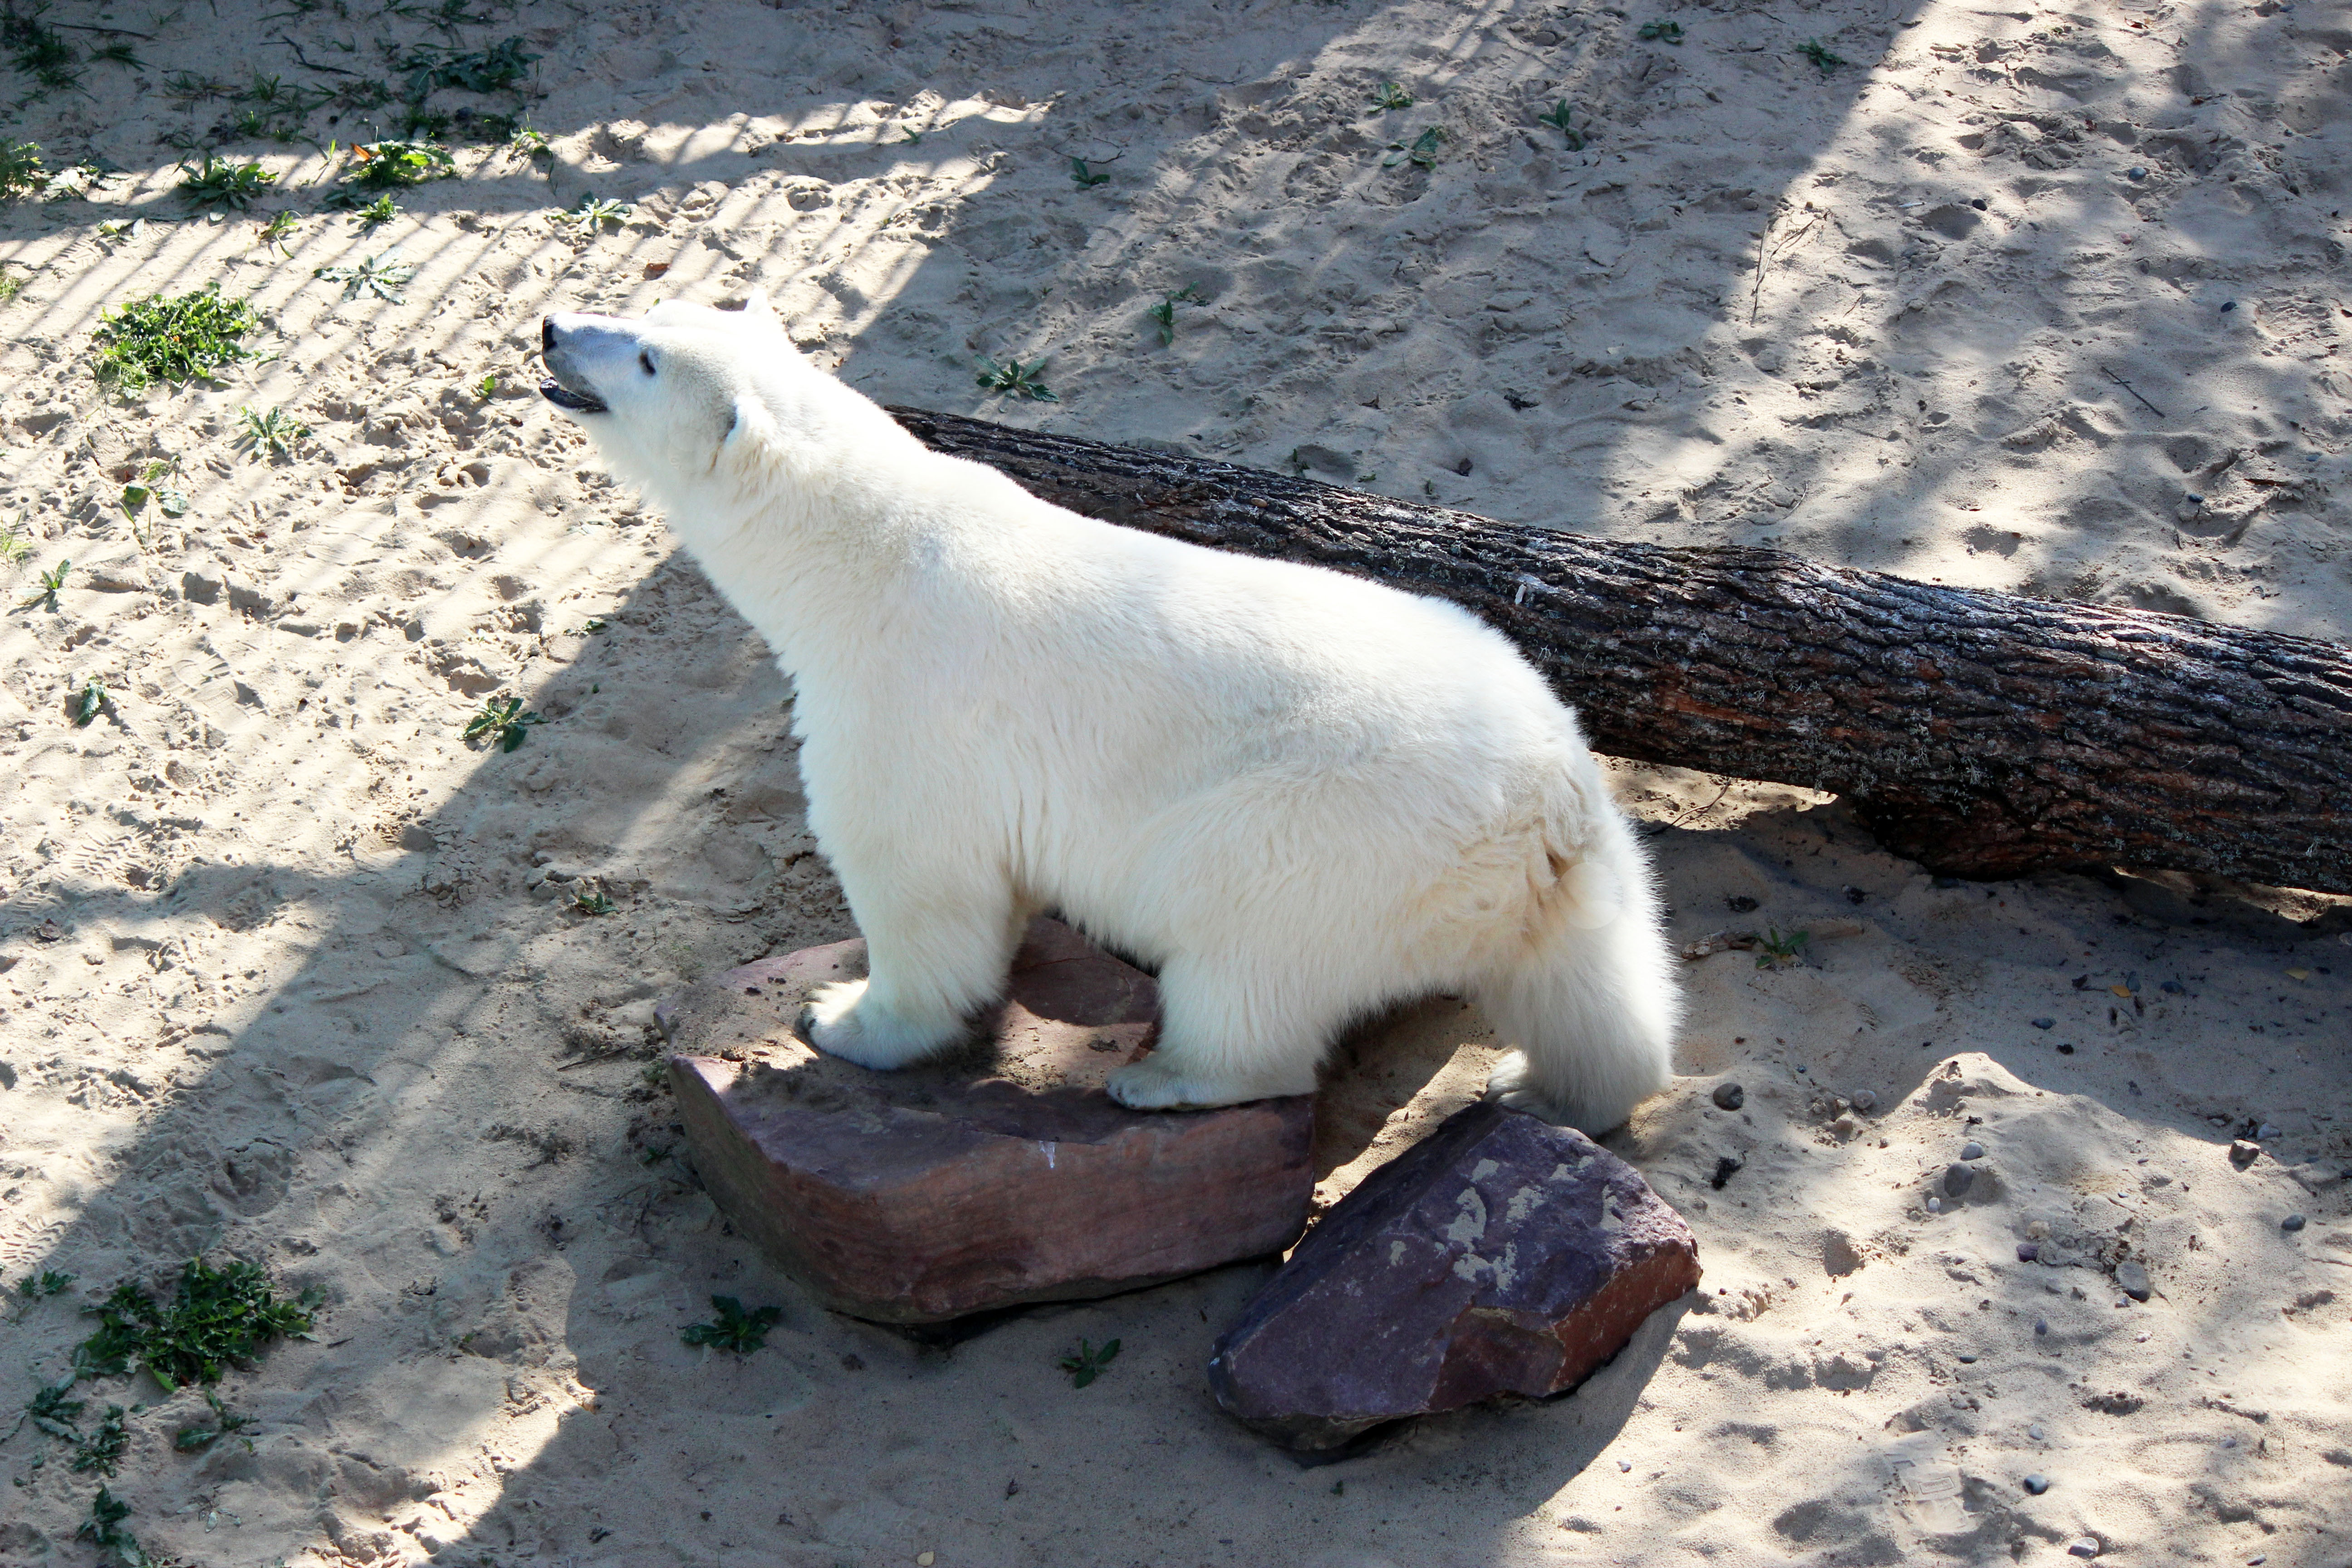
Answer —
2028 1251
1500 1255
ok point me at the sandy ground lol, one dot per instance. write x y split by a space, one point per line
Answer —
287 970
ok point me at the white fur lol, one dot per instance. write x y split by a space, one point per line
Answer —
1300 794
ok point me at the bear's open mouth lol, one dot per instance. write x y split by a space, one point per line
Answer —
563 396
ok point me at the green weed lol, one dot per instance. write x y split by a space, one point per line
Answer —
531 146
590 898
278 232
172 502
217 182
215 1317
1089 1362
86 705
1819 53
734 1329
226 1424
1779 950
11 285
1013 377
376 214
181 339
391 165
486 388
14 545
50 1411
273 430
502 722
1085 176
102 1449
1163 314
472 70
40 1287
1562 119
1391 96
1661 33
104 1529
21 173
51 581
187 87
381 275
119 53
1422 151
598 210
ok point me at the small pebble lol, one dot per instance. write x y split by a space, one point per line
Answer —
2038 1229
1967 1360
1625 1464
2036 1432
2083 1546
2291 1222
2243 1153
1971 1151
1865 1100
2265 1133
924 1560
2045 1023
2228 305
2037 1484
1935 1206
2027 1252
1730 1096
1957 1179
1981 203
2065 1050
1799 1067
2041 1326
2136 172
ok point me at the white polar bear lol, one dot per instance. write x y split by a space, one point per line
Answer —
1299 794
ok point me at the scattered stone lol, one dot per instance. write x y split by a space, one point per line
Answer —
2041 1327
2291 1222
2136 173
2131 1279
2083 1546
1865 1100
2045 1023
1934 1204
1729 1097
1500 1255
2265 1133
2027 1252
1957 1179
2117 1403
2243 1153
1001 1175
2036 1432
2037 1484
1971 1151
1726 1167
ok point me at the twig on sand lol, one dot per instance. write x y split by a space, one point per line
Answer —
2127 386
1764 251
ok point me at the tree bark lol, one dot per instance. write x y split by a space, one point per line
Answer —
1981 735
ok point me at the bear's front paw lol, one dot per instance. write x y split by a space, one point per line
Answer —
842 1020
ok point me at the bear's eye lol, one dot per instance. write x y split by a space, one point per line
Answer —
646 358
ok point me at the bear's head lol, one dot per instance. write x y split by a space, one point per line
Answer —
702 407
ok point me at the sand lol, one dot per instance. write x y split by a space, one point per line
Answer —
290 971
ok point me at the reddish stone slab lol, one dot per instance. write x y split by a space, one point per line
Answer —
1500 1255
1001 1175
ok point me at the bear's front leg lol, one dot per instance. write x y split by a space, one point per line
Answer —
934 956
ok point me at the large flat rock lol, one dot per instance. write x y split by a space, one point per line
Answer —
1500 1255
1001 1175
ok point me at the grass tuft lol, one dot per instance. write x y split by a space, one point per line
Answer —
502 722
1089 1363
21 173
272 430
381 275
1819 53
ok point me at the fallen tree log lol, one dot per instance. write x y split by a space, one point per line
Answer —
1981 735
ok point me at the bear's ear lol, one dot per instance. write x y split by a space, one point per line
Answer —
761 313
748 420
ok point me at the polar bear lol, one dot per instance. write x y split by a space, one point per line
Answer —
1298 794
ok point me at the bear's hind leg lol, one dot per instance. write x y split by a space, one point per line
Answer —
1229 1033
931 961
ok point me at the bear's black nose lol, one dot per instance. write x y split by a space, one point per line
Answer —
547 334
